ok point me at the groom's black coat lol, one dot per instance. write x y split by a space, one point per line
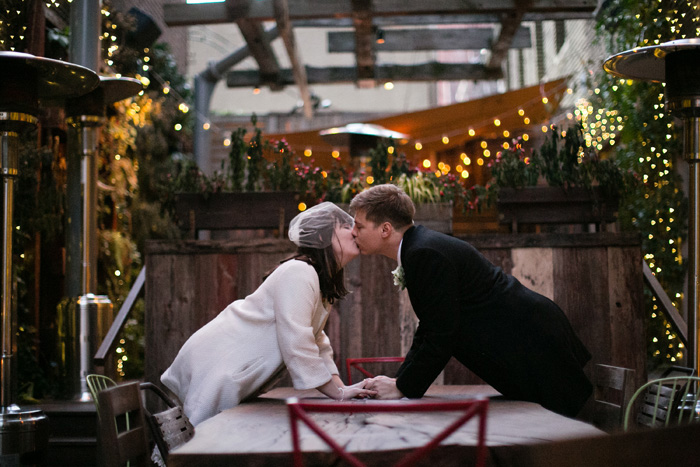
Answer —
516 340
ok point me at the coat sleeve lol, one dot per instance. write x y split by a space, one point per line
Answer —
432 283
297 297
326 351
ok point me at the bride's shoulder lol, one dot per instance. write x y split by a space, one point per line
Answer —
296 267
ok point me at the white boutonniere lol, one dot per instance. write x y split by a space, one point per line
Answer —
399 278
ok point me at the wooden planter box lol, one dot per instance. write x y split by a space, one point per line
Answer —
233 211
555 205
435 216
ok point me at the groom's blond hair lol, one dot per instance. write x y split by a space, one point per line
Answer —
385 203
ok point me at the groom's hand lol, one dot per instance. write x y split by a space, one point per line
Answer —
385 387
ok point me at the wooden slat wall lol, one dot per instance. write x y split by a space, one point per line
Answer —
596 278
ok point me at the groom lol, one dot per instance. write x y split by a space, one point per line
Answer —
516 340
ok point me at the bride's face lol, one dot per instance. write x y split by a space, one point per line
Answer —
344 246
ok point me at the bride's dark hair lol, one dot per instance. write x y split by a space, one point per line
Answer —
331 276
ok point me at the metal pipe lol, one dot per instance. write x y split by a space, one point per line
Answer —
84 49
9 143
691 149
204 83
89 138
85 25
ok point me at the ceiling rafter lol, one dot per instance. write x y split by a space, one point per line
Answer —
298 70
365 56
182 14
365 16
509 27
261 50
412 39
330 75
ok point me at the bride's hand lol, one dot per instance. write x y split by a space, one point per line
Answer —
358 390
384 387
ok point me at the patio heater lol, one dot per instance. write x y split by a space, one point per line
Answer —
24 80
360 138
88 319
677 63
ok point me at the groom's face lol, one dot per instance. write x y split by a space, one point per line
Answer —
367 235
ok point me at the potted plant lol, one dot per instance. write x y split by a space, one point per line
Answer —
565 182
248 193
433 195
261 176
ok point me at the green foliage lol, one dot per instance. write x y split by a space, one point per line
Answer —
281 173
650 145
236 160
513 168
255 159
420 188
379 161
287 172
563 160
388 166
334 184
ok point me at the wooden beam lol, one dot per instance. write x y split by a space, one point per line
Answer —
395 40
384 21
509 26
672 314
261 50
365 56
332 75
53 17
182 14
424 20
298 70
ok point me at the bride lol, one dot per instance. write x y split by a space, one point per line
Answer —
243 351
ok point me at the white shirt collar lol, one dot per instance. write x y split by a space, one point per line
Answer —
398 255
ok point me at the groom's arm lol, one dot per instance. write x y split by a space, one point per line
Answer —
431 282
422 366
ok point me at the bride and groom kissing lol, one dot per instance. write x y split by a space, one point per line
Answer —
516 340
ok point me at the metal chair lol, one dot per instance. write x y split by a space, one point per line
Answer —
613 387
356 363
665 402
122 427
298 411
97 383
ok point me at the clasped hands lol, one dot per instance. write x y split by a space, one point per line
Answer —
380 387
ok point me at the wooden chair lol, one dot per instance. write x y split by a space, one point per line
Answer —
675 370
298 411
675 446
169 428
664 402
122 427
356 363
613 387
